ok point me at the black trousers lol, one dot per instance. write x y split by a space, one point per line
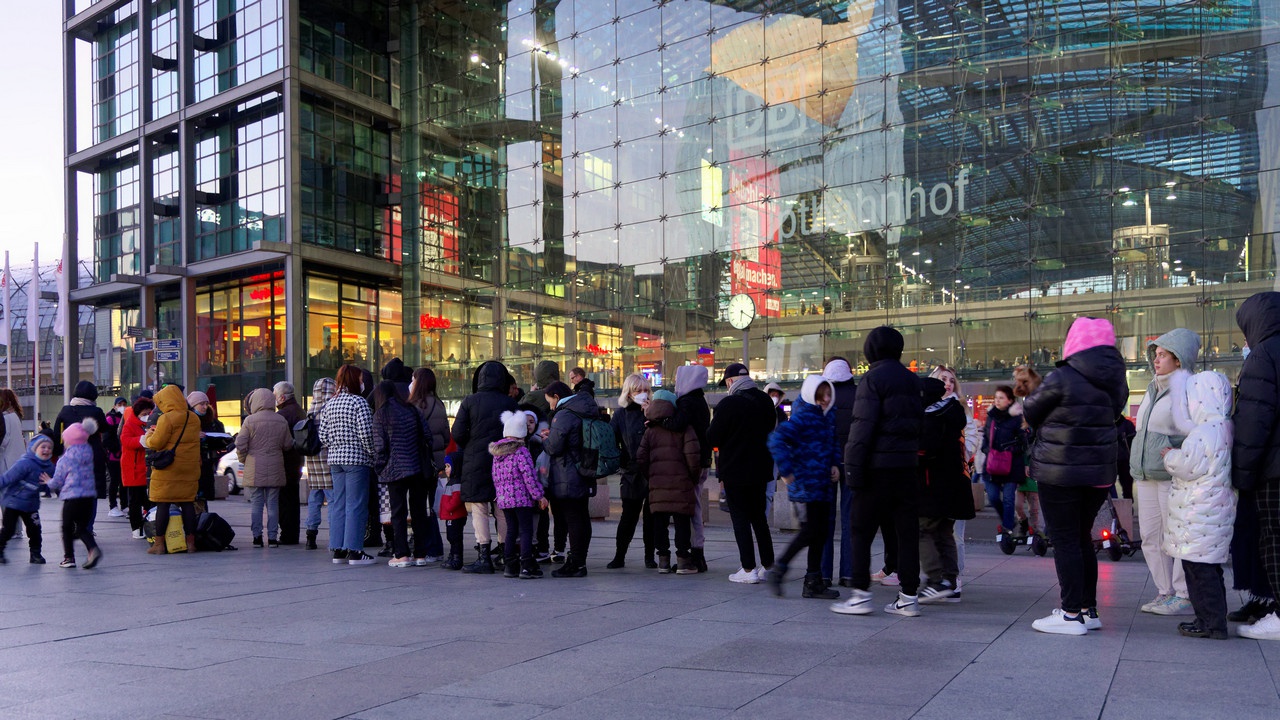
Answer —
633 512
888 496
684 533
747 513
115 493
560 526
290 508
408 501
814 520
577 523
10 525
138 503
1069 513
453 531
1267 498
77 524
1247 572
1208 594
188 511
521 523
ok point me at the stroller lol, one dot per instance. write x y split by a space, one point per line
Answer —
1113 529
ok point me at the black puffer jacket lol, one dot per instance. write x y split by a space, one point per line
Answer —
628 427
887 412
1008 433
564 445
1255 452
740 429
692 411
944 489
433 412
400 434
479 423
72 414
1074 415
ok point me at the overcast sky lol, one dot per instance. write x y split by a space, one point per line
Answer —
31 131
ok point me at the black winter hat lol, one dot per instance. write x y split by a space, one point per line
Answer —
86 390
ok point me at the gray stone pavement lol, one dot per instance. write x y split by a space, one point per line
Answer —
287 634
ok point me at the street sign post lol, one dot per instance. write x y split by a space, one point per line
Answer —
168 356
143 346
169 344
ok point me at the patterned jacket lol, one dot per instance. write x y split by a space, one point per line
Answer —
513 478
346 430
74 476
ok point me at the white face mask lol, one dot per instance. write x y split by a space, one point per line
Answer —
640 397
1244 352
777 400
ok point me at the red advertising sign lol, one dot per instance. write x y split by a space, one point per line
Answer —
757 263
439 229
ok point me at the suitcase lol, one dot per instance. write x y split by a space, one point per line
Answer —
213 534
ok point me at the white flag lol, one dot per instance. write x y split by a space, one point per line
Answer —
60 320
33 304
6 298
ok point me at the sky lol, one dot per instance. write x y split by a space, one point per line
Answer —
31 131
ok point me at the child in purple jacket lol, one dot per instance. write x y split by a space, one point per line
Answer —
74 482
519 493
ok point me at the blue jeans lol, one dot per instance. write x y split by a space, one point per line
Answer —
1001 496
348 507
270 497
316 499
846 537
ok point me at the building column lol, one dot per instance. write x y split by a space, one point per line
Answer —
187 372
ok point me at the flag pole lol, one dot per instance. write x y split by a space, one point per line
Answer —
8 321
33 332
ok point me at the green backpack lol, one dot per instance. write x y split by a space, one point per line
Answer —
600 455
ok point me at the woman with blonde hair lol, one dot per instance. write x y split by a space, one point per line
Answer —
972 439
628 428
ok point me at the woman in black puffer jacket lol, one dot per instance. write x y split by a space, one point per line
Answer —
628 428
477 424
400 435
1074 413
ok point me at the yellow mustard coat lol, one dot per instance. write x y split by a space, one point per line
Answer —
180 481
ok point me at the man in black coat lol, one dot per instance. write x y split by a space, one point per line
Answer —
740 429
290 511
478 423
840 374
880 460
1255 452
83 406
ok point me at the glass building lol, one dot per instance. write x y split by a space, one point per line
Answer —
287 185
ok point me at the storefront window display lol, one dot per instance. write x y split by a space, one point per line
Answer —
350 323
240 334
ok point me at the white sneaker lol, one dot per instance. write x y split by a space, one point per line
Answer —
1059 624
1268 628
1091 619
115 512
400 562
905 605
747 577
761 573
859 603
890 580
427 561
1157 602
877 576
139 535
1174 605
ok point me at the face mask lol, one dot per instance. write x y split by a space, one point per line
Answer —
641 397
1244 352
362 388
777 400
201 414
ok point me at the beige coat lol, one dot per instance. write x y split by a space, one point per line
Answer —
263 438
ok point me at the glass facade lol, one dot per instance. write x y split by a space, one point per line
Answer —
240 334
237 41
115 63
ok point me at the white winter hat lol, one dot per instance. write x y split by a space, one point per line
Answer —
514 424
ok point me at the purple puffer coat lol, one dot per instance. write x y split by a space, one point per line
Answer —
514 480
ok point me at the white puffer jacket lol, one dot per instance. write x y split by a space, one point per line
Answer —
1202 503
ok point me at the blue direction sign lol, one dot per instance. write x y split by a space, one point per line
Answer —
172 344
142 346
168 355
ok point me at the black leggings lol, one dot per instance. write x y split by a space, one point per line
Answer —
188 510
77 524
519 539
746 511
813 526
115 493
635 511
561 526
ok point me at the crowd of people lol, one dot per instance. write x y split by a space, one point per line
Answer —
889 453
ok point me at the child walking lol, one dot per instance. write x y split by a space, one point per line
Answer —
21 486
74 482
519 494
804 447
672 461
1202 504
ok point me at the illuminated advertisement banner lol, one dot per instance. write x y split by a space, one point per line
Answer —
757 264
439 229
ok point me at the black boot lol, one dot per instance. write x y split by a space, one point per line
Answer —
776 575
388 547
483 564
815 588
529 569
649 562
699 559
510 566
36 558
500 556
619 559
311 540
453 562
572 568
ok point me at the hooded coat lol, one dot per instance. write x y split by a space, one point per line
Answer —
944 488
82 406
629 427
691 407
1202 505
179 429
20 484
1163 419
805 446
133 456
478 423
1255 452
564 446
1074 414
840 375
399 374
263 439
670 460
544 373
740 429
515 483
887 412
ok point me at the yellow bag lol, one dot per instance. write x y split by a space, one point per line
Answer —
175 541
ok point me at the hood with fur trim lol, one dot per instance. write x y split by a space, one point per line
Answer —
505 446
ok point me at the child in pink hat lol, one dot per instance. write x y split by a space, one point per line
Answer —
73 480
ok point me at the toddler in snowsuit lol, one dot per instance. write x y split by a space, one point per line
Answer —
73 480
1202 503
21 486
519 495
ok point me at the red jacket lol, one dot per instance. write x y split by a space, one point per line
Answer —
133 457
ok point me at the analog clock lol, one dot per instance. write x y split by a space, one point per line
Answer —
741 311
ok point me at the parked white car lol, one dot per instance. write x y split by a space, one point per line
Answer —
231 471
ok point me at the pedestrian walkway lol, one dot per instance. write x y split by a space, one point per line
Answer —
286 634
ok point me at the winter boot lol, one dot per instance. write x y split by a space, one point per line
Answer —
699 559
649 562
388 547
157 547
500 556
191 543
453 562
664 562
311 539
815 588
510 566
36 558
529 569
775 577
483 564
619 559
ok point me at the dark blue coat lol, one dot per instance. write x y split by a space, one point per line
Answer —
21 484
805 446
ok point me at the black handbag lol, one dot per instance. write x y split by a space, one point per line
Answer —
161 459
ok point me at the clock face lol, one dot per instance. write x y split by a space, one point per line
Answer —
741 311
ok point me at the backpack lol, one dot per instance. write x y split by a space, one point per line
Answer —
600 456
306 436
